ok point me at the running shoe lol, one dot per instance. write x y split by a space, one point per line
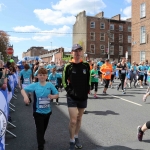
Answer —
72 146
104 93
123 91
141 87
144 98
57 103
77 144
140 133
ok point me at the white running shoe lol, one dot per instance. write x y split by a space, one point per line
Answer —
144 98
141 87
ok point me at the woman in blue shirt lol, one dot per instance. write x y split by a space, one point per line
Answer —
44 92
26 77
53 78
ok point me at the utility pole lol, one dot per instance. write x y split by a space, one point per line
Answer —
108 32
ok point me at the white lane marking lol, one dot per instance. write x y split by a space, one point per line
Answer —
126 100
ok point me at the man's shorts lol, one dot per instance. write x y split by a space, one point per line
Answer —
76 103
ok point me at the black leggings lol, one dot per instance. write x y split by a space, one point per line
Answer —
94 84
106 81
122 79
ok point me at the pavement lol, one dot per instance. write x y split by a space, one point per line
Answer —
111 123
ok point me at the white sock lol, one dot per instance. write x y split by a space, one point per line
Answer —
72 140
76 136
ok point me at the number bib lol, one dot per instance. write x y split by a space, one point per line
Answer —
123 71
26 81
53 82
44 102
108 72
96 76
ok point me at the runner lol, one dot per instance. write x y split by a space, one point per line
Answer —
122 67
43 93
141 69
113 74
76 81
53 78
106 70
94 79
50 67
145 73
148 89
25 77
99 64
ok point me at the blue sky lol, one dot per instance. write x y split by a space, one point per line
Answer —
57 16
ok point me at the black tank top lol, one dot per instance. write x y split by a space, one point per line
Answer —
123 71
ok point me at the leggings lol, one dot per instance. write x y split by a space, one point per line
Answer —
94 84
122 79
145 77
133 76
106 81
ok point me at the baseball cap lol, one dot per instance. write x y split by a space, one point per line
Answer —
76 46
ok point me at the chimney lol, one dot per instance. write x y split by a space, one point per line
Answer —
117 17
100 15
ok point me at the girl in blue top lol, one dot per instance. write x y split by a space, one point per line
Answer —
26 77
53 78
43 93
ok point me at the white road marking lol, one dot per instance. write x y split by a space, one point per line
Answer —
126 100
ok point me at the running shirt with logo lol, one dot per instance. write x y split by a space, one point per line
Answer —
26 76
107 69
41 101
54 78
141 68
94 78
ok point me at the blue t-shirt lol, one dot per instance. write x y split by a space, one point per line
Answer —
99 64
141 68
53 78
26 75
114 69
128 65
50 67
134 69
41 101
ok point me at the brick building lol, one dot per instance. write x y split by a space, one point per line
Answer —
99 35
140 30
34 51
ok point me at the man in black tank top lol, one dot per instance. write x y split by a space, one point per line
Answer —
122 67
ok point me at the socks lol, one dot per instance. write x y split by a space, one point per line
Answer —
72 140
76 136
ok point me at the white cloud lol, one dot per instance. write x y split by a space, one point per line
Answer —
51 17
76 6
46 35
128 1
127 13
64 11
18 39
30 28
2 6
121 9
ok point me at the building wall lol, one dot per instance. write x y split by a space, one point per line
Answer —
137 22
79 30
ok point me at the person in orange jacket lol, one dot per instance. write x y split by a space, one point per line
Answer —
106 70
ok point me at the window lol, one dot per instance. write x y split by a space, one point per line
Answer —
102 25
129 50
120 50
142 56
111 37
129 39
112 50
111 26
102 36
120 38
92 49
102 49
120 27
142 10
142 36
92 36
129 28
92 25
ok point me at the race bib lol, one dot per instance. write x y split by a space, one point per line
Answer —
123 71
108 72
44 102
26 81
96 76
53 82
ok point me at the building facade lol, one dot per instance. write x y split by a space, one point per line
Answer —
101 37
34 51
140 30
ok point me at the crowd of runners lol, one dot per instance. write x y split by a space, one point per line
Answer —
79 78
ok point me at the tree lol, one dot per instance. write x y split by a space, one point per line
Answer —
4 42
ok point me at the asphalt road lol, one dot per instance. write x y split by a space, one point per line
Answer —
110 124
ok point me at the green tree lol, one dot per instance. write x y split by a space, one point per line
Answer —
4 42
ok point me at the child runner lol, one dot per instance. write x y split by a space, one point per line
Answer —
94 79
53 78
43 93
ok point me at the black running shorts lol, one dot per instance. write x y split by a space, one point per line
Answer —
76 103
